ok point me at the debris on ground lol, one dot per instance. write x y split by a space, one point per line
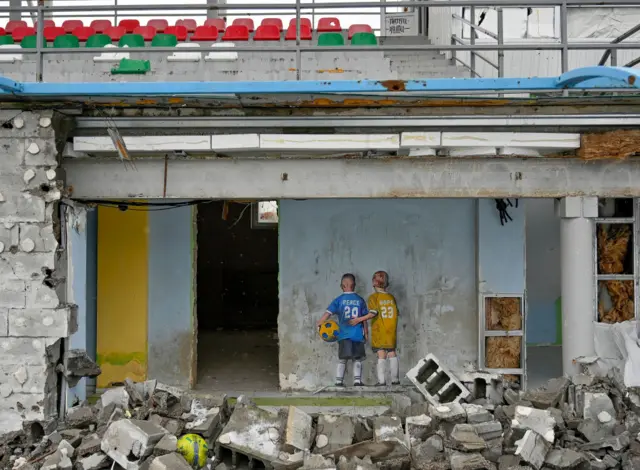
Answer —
583 423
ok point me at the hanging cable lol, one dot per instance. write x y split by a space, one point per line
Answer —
502 205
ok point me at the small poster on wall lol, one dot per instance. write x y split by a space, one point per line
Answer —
400 24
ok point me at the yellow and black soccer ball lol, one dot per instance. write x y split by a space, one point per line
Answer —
194 449
329 331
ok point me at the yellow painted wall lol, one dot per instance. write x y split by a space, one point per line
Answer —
122 295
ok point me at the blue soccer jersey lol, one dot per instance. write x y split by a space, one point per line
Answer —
347 307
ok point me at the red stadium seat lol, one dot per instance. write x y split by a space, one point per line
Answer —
179 31
236 32
188 23
101 25
52 32
217 22
305 33
273 21
248 22
13 24
129 25
3 32
303 22
71 25
267 32
115 32
326 25
47 24
205 33
83 32
147 32
359 28
20 32
159 24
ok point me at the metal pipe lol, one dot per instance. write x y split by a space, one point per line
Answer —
635 61
471 69
473 26
298 52
487 60
39 42
620 38
614 58
500 43
472 41
564 39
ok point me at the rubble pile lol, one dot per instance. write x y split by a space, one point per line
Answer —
586 423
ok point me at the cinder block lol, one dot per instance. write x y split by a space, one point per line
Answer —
4 322
41 296
388 428
129 442
22 351
13 293
419 427
29 405
19 206
40 152
39 322
297 434
41 235
436 382
333 433
540 421
23 378
12 152
9 234
25 266
533 449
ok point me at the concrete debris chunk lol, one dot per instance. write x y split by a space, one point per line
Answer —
436 382
95 461
564 459
508 461
549 395
469 461
90 445
465 438
118 396
418 428
489 430
68 448
166 445
431 449
476 413
333 433
318 462
450 413
615 443
533 449
78 364
129 442
388 428
298 430
169 462
542 422
80 416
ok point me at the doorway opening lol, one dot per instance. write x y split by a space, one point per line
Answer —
237 296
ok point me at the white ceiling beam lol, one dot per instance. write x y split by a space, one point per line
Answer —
147 143
331 142
511 139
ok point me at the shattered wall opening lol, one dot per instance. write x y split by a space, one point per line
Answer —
503 317
237 301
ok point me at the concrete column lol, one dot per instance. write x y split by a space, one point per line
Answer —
577 278
216 13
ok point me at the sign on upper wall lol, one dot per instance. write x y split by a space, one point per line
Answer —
400 24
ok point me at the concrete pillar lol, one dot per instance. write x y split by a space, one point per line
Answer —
216 13
577 278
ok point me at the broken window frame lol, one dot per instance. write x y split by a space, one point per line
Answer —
256 223
485 333
597 277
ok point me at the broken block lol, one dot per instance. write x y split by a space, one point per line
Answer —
90 445
418 427
80 416
489 430
449 413
118 396
469 461
599 408
564 459
166 445
78 364
169 462
533 449
93 462
542 422
465 438
549 395
129 442
297 434
436 382
476 413
333 433
388 428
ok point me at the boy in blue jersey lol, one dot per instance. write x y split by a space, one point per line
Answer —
351 338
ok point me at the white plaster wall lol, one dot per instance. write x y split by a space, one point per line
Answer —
428 248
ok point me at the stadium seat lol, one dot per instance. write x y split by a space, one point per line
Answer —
47 24
6 40
52 32
3 32
132 66
129 25
115 32
248 22
236 32
13 24
188 23
101 25
178 56
147 32
29 42
98 40
273 21
66 40
359 28
205 33
159 24
71 25
131 40
330 39
267 32
364 39
21 32
217 22
305 33
326 25
84 32
10 57
164 40
303 22
179 32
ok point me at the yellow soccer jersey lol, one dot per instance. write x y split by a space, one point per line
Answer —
384 324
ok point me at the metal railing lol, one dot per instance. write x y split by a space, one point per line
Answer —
613 53
43 11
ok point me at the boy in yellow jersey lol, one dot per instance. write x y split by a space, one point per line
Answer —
384 312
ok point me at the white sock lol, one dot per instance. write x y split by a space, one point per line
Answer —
342 366
395 372
357 371
381 370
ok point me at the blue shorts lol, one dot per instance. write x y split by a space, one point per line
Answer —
349 349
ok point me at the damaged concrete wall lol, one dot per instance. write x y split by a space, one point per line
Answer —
171 322
428 248
32 315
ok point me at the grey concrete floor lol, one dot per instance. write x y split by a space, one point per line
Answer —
245 361
543 363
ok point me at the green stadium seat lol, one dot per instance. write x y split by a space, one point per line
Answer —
6 40
66 40
98 40
364 39
29 42
330 39
164 40
132 66
131 40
